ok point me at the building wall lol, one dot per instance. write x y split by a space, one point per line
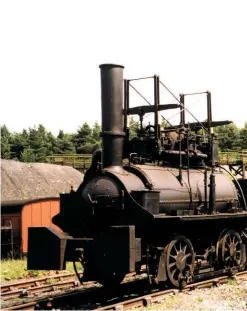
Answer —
37 214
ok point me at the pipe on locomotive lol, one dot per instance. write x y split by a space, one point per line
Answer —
112 116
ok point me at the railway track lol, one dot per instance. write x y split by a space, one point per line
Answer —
35 282
34 286
98 298
39 289
147 300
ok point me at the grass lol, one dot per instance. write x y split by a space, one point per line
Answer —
13 270
231 281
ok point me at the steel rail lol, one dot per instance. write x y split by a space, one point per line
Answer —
140 301
46 302
39 289
25 306
34 282
85 288
147 300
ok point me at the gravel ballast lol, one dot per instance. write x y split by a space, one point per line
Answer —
230 296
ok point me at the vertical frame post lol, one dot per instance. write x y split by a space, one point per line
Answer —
209 111
182 111
156 104
126 104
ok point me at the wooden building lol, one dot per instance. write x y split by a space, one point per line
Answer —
30 198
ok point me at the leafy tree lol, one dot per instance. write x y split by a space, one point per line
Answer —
243 136
38 143
51 143
5 142
88 148
17 145
28 155
64 144
82 137
228 137
133 126
96 131
25 137
60 134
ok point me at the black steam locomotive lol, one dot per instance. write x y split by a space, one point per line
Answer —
157 203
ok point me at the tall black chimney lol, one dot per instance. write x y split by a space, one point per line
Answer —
112 115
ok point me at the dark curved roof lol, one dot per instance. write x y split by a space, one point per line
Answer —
24 182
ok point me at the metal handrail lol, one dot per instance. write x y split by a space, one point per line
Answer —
233 157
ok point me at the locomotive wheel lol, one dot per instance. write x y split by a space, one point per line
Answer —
180 261
231 249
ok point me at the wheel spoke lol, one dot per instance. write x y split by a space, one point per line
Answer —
173 272
186 256
184 249
172 265
175 249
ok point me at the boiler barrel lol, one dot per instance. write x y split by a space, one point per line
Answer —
175 196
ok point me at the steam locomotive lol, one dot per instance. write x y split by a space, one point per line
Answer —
158 203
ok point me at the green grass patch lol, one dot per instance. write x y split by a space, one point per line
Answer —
13 270
231 281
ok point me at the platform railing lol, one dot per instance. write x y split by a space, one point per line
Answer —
233 157
83 161
78 161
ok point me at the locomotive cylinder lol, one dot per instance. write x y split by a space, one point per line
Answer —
112 117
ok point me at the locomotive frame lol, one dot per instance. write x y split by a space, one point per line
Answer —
170 210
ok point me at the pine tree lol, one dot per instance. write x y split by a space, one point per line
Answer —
38 143
82 137
96 132
51 143
64 144
5 142
243 136
17 146
28 155
228 137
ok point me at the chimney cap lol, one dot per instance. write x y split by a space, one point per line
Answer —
110 65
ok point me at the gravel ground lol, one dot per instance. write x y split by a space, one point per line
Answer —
230 296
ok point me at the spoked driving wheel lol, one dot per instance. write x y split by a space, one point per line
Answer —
180 261
231 249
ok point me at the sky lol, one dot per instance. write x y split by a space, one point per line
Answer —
50 52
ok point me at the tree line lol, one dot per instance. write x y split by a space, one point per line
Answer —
36 143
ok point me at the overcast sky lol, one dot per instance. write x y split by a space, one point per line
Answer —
50 52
